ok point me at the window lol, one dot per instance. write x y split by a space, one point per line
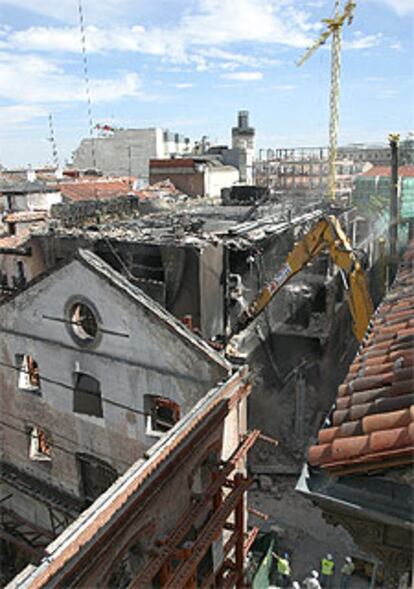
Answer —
83 321
87 395
39 448
21 278
29 378
96 476
162 414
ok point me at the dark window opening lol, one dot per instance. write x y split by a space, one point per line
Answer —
87 395
21 278
96 476
4 280
162 414
29 376
148 264
12 228
319 303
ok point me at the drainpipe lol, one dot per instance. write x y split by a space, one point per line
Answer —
394 139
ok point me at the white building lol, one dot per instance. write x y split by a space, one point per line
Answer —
126 152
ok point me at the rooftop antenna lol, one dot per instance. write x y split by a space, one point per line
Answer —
52 139
87 81
333 27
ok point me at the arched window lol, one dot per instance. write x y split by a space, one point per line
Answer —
87 395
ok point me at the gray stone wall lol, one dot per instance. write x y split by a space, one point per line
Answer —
151 360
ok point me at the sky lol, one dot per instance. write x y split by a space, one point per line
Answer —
190 65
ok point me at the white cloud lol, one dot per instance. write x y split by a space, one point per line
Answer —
401 7
211 25
67 10
278 88
184 85
232 60
45 82
243 76
17 114
361 41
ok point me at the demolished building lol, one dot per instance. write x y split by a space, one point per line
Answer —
202 263
93 373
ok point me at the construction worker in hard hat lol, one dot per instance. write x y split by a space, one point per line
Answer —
327 571
346 572
283 569
312 582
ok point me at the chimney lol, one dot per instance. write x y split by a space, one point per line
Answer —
243 119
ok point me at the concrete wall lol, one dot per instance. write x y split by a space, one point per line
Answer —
218 178
153 359
125 153
43 201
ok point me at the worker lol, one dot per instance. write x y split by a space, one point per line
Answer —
346 572
312 582
283 569
327 571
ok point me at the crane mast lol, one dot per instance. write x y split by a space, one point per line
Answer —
334 28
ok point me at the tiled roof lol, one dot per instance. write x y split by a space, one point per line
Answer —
103 188
373 420
26 216
403 171
14 242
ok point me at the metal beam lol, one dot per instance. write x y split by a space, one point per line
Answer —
209 532
189 516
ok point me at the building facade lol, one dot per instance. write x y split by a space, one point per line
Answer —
200 176
93 373
126 152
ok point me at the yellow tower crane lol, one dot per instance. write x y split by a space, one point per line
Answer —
334 28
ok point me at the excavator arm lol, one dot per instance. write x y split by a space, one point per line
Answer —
326 235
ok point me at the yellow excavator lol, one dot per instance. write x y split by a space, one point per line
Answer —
326 235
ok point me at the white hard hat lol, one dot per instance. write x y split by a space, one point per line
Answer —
329 556
295 585
348 559
315 574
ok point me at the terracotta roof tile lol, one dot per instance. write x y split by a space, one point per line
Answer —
403 171
373 420
14 242
98 188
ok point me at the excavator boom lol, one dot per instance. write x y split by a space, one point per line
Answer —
326 235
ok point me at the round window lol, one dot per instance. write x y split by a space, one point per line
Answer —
83 321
